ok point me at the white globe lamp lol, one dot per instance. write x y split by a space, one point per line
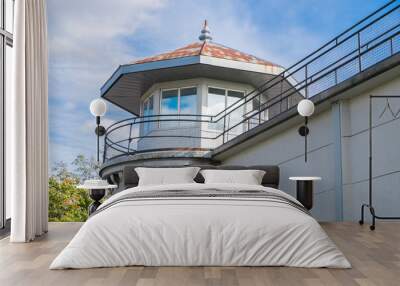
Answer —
305 108
98 108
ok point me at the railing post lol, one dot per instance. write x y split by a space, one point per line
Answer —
306 77
224 129
336 79
105 148
259 109
359 52
391 46
130 138
280 98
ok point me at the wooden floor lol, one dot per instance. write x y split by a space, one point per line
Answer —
375 257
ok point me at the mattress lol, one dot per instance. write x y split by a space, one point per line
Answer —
201 225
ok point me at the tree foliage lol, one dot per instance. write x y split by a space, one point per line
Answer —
85 168
66 202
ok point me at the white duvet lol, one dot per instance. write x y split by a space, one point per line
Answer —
206 231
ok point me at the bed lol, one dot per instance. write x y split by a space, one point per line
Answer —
201 224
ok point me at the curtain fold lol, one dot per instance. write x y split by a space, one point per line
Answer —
27 126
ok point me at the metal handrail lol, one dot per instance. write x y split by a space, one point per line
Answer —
334 40
154 118
148 119
309 80
316 80
358 55
282 77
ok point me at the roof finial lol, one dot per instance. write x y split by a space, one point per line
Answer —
205 33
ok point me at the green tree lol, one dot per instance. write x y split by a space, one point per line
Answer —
66 202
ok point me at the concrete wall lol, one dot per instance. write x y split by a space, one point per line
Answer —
386 153
338 152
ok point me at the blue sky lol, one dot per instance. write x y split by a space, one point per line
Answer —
89 39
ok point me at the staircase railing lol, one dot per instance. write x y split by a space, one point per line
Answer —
369 41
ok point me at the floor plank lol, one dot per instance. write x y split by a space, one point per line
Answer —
375 257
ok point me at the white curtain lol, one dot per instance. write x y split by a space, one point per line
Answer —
26 124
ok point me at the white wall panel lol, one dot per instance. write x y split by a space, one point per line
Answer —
286 150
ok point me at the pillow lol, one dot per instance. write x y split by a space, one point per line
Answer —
248 177
166 176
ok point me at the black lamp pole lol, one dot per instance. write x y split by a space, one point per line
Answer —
304 131
305 138
305 108
98 138
100 131
98 108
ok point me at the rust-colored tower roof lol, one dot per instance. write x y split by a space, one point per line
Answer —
207 48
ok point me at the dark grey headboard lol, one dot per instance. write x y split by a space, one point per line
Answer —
270 179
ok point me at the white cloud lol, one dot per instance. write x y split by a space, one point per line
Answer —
85 45
86 32
232 23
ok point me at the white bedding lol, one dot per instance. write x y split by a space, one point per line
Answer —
200 231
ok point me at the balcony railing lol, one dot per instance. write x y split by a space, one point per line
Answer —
368 42
138 134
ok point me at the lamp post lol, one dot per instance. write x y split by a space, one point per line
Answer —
305 108
97 187
98 108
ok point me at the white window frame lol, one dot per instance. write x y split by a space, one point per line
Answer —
145 102
161 97
6 39
226 101
179 97
179 100
226 94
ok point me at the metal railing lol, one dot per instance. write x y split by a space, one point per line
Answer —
173 132
137 134
368 42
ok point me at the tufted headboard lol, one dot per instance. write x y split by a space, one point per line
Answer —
271 178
